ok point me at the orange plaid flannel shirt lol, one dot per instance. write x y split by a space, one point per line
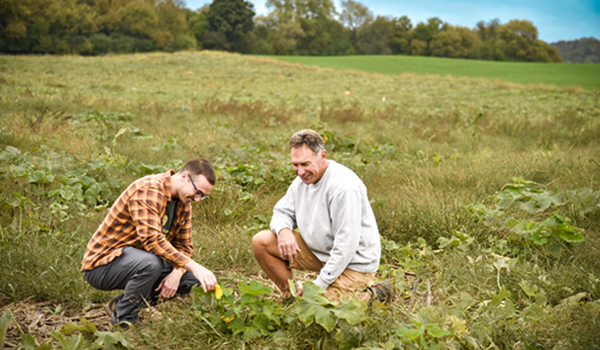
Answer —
136 219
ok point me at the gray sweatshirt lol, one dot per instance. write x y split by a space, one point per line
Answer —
336 221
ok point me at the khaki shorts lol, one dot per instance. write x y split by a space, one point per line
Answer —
350 283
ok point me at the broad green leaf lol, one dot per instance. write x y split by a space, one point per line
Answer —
500 296
4 323
315 293
348 337
253 288
75 342
456 324
529 289
271 313
353 311
539 237
444 242
47 345
237 325
111 340
325 318
410 333
262 323
571 235
500 263
250 334
9 153
37 176
437 332
306 311
28 341
85 326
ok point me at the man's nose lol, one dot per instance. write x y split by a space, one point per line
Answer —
300 171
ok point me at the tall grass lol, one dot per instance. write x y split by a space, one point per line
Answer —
429 150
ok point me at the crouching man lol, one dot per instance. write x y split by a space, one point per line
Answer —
144 245
338 235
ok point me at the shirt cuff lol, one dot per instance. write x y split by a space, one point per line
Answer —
319 282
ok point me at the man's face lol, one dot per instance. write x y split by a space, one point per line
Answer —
309 166
195 188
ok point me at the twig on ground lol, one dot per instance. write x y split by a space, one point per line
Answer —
414 294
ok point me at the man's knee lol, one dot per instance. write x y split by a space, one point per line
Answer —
262 240
149 264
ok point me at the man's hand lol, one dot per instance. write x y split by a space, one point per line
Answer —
169 285
287 245
207 279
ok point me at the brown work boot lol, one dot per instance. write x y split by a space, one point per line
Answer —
110 307
382 291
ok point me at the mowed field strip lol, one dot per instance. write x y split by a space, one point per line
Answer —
586 75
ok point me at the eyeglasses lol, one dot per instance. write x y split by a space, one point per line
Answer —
198 192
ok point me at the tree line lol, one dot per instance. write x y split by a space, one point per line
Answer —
584 50
292 27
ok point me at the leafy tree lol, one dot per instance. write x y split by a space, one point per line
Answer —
455 42
418 47
69 17
487 30
340 43
487 50
355 15
276 35
314 17
228 21
109 18
518 39
400 41
374 39
304 27
138 19
426 32
15 18
197 23
171 16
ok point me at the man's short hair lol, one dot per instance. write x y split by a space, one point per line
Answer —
308 137
198 166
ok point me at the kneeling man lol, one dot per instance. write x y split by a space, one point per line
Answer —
338 235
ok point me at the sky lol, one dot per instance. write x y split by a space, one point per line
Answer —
555 19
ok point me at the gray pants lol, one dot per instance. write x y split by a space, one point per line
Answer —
139 273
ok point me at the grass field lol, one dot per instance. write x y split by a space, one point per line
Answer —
486 193
567 74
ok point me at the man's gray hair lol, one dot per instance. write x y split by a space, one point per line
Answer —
308 137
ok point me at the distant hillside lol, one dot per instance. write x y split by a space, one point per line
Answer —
584 50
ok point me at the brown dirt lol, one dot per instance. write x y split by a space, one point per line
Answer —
38 319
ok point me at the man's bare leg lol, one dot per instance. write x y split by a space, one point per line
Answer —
266 252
